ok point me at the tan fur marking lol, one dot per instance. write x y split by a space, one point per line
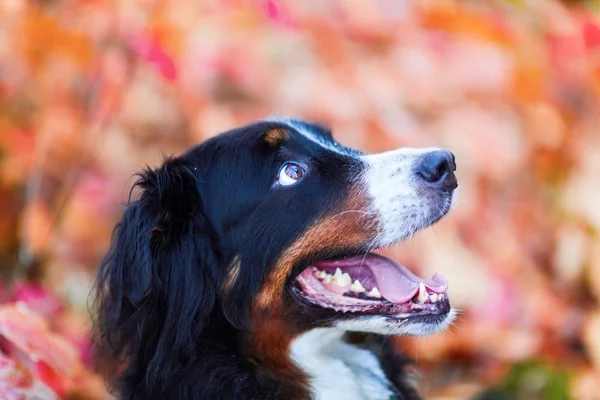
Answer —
276 136
232 275
349 226
269 345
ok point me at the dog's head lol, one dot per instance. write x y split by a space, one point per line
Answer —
271 221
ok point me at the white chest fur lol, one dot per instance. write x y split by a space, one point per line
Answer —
338 370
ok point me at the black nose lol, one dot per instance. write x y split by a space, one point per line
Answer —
438 168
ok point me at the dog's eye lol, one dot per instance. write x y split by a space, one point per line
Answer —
290 173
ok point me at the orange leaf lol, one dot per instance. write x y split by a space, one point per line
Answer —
465 22
43 36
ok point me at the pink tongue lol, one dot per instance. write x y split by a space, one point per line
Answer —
394 281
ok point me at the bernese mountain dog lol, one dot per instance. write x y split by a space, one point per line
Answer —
246 269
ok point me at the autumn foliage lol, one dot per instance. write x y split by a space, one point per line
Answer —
93 90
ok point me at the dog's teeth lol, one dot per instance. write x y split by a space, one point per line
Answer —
357 287
328 278
343 280
321 274
374 293
336 277
423 296
433 298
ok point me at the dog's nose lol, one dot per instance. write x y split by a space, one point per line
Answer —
437 168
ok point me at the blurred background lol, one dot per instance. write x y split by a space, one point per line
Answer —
91 91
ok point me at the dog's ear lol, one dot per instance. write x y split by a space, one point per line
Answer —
157 285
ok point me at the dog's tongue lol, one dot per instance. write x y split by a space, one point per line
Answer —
394 281
397 284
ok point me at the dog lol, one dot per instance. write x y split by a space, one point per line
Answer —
246 268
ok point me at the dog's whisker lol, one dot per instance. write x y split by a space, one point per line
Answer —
352 211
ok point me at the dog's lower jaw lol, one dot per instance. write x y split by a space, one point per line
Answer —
338 369
387 326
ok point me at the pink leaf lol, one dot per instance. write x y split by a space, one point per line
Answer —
149 49
38 299
275 13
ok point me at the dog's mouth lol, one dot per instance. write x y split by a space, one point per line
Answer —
371 284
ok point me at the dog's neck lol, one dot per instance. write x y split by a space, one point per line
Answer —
337 369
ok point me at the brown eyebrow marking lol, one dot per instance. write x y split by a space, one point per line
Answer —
276 136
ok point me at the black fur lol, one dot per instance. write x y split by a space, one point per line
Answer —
163 329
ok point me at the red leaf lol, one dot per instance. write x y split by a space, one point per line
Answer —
591 35
51 378
18 383
28 338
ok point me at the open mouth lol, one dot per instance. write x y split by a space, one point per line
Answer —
372 284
